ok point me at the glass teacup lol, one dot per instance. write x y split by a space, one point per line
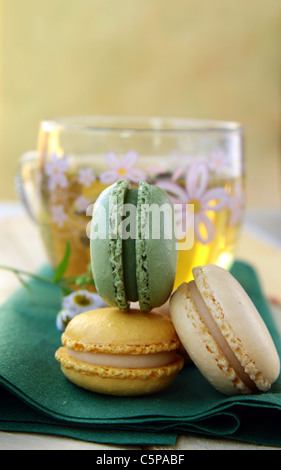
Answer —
197 162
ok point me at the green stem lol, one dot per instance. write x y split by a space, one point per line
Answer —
62 283
25 273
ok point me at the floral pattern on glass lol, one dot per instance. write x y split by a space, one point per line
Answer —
122 168
58 215
190 183
237 204
55 169
196 192
86 177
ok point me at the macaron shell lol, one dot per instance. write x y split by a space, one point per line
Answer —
110 330
100 249
115 381
156 256
106 251
240 323
201 346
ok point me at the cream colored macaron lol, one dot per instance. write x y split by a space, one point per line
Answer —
120 353
223 333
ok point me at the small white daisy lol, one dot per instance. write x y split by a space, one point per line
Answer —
82 301
76 303
63 318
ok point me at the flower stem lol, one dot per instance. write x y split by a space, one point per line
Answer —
63 283
25 273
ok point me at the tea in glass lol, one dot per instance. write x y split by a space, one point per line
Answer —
198 163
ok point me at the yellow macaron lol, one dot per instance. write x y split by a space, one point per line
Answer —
120 353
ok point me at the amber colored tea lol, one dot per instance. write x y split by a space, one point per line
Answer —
219 250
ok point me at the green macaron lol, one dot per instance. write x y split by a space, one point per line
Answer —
133 252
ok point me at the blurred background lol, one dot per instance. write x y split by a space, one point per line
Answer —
187 58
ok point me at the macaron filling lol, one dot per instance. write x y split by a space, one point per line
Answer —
125 361
215 332
129 250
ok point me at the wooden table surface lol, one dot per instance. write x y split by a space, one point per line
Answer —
21 248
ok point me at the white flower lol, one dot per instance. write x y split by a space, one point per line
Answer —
76 303
82 203
82 301
63 318
55 170
58 215
86 177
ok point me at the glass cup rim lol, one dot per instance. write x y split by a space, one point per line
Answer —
140 124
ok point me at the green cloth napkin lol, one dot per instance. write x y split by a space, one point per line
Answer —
36 397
